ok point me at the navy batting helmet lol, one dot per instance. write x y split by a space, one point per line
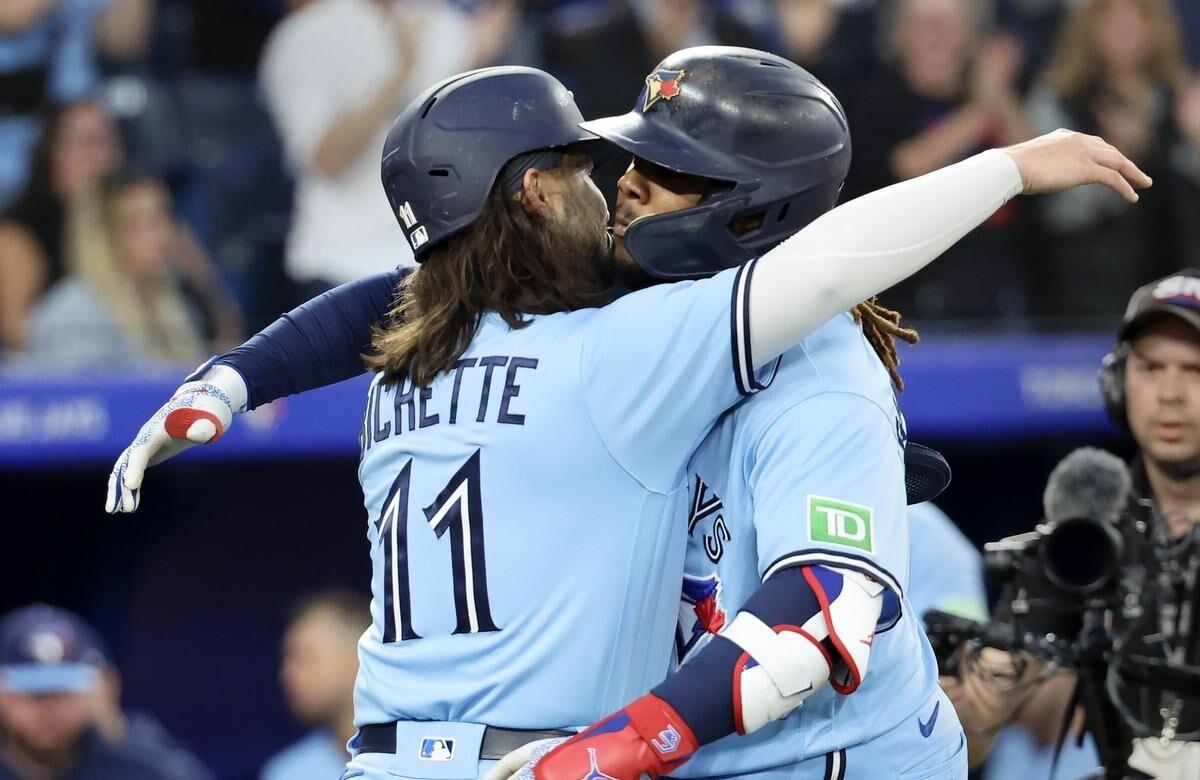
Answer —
755 121
445 150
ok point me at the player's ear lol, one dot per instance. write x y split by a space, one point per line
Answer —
533 195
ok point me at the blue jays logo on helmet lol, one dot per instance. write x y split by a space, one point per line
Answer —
663 85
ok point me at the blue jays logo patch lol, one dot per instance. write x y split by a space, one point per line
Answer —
663 85
436 749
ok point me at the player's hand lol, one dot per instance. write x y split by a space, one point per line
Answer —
200 412
648 738
519 763
1064 159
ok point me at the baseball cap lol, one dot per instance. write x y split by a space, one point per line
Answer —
44 649
1177 294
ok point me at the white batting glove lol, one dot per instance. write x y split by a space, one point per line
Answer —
200 411
519 763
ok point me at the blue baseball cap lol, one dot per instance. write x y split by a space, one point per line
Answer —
44 649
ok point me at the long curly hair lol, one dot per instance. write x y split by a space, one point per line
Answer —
508 262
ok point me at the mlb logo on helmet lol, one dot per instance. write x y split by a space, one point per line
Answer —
663 85
436 749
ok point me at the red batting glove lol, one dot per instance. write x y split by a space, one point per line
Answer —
645 738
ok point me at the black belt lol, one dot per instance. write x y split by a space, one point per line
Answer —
497 743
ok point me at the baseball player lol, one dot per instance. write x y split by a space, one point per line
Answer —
798 549
576 428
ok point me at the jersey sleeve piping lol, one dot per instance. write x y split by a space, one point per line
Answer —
748 382
824 557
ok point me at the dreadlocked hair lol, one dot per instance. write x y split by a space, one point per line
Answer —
881 326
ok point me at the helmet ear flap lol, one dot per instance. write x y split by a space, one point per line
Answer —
1112 385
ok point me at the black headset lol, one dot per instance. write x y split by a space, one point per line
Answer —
1112 383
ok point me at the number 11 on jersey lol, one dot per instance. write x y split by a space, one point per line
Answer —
457 509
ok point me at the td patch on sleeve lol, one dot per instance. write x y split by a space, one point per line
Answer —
840 522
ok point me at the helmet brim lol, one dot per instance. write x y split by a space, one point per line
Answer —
656 143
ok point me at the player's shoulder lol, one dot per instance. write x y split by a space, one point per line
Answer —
833 368
539 336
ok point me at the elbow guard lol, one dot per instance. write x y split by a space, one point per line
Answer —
783 664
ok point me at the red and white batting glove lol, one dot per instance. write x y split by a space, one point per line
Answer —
200 412
645 739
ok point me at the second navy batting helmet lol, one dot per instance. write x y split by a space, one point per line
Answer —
445 150
754 121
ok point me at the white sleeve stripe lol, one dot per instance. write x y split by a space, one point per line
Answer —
826 558
743 361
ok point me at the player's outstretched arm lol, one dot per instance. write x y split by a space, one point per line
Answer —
200 411
316 344
869 244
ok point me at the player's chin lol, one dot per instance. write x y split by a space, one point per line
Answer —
621 257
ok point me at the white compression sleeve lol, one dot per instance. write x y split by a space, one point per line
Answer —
867 245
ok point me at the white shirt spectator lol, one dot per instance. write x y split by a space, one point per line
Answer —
323 62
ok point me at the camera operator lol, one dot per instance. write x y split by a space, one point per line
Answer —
1151 388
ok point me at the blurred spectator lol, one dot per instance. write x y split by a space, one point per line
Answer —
122 33
951 91
320 661
122 305
1189 18
52 672
1119 72
47 56
78 146
835 39
671 25
335 73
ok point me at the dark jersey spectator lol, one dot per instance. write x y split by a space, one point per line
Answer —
949 92
1119 72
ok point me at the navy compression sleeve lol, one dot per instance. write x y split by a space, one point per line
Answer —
700 691
316 344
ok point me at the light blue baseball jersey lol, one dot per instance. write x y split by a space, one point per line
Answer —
811 472
526 511
947 570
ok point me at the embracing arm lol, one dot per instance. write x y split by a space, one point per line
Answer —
871 243
316 344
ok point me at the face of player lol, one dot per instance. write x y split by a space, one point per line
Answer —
1162 387
1121 35
319 664
86 147
647 189
45 727
143 230
577 207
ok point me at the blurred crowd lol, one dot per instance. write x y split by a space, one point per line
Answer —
176 173
62 715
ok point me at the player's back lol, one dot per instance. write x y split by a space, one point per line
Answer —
526 512
809 472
